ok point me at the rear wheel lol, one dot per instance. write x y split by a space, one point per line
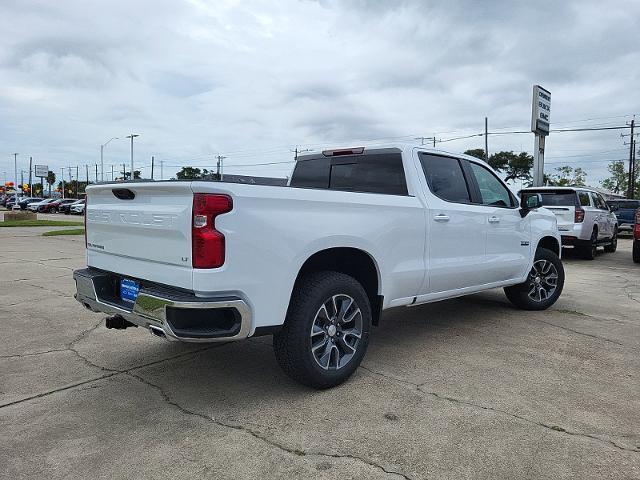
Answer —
613 246
326 332
53 210
636 251
543 285
590 251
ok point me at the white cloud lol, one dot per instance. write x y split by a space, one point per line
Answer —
252 79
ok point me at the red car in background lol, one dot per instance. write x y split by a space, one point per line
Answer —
636 238
54 207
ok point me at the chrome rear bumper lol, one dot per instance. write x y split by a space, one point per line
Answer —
176 315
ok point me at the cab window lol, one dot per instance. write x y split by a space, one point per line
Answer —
445 178
492 191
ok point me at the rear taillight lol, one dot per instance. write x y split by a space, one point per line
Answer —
207 244
579 215
636 227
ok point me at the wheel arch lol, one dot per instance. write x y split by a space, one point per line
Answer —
351 261
550 243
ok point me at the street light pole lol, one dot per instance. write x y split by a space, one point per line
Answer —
132 136
102 157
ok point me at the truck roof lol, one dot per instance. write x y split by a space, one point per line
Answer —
401 147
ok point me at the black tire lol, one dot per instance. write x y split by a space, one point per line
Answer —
613 246
53 210
636 251
590 251
293 343
519 294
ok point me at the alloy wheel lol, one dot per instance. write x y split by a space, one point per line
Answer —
336 332
543 280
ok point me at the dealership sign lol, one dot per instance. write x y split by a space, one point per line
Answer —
541 110
42 171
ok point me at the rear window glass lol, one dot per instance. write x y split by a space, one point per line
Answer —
558 199
372 173
629 204
445 178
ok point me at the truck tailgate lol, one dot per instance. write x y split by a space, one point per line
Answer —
565 216
142 230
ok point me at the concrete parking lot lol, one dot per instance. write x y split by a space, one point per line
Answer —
468 388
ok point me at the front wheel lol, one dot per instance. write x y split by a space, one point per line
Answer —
326 332
543 285
53 210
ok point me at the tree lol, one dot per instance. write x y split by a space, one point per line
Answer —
192 173
514 166
618 182
476 152
51 179
568 176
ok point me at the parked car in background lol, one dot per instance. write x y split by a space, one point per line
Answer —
636 237
35 206
585 221
26 201
625 211
55 205
77 208
66 207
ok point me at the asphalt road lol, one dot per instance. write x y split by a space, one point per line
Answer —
468 388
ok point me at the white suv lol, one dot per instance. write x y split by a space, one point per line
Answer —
585 221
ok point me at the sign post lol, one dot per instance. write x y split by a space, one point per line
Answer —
41 171
540 121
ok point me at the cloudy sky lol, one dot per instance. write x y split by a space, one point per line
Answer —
252 79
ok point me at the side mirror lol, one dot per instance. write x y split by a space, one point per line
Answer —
613 207
529 201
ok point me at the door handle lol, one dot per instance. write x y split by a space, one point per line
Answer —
494 219
441 217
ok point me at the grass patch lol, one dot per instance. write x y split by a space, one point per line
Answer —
39 223
68 231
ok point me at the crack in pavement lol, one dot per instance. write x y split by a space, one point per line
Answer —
34 354
585 334
110 372
167 399
419 387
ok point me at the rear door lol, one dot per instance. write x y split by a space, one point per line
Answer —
142 230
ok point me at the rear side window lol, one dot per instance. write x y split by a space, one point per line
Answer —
369 173
584 198
312 173
445 178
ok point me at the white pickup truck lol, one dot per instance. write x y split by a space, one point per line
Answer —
315 262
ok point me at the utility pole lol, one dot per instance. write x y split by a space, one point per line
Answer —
112 177
132 136
124 172
96 173
161 169
220 167
15 185
486 139
30 182
423 139
631 179
87 172
62 179
152 160
77 181
631 152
